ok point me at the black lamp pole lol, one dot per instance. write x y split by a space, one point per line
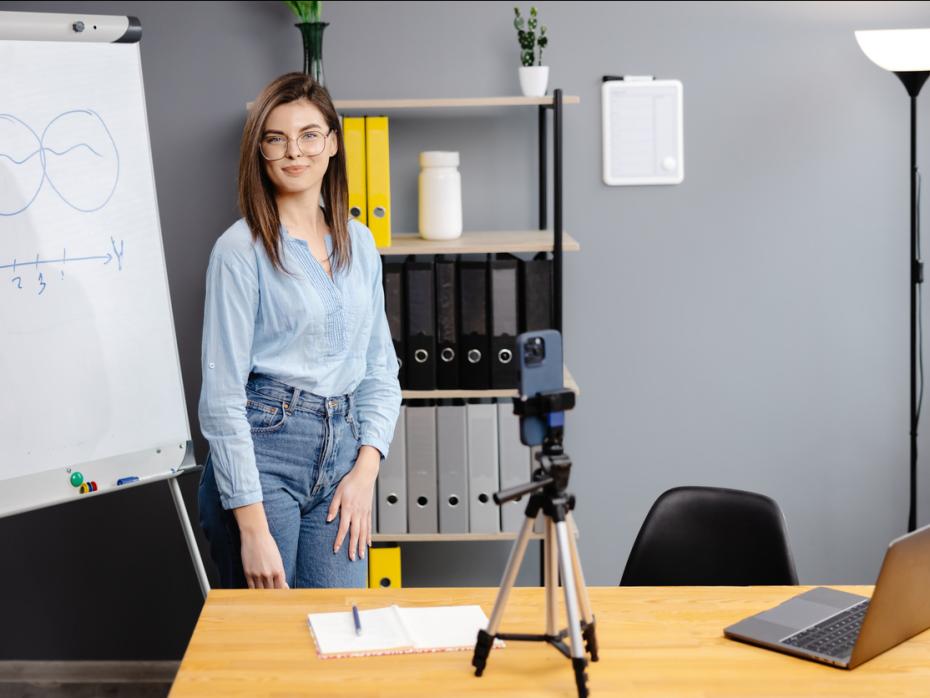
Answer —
913 81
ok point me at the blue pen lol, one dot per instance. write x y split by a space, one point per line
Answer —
358 622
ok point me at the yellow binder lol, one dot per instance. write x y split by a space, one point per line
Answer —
384 568
379 179
353 132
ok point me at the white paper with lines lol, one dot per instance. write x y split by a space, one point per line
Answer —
642 132
396 630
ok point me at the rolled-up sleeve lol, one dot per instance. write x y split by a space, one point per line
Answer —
228 327
378 395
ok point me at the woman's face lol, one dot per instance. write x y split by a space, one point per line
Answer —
287 124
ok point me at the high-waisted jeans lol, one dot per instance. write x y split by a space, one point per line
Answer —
304 445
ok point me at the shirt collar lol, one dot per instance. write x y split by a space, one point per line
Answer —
328 239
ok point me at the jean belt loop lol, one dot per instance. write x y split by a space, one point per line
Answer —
294 398
350 403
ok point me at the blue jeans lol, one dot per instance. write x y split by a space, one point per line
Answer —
304 445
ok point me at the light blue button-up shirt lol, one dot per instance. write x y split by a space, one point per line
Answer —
327 336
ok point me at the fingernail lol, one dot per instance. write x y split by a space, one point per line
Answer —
335 550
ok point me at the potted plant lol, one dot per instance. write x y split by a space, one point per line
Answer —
311 29
533 74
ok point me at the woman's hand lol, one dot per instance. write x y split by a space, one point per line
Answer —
261 559
352 501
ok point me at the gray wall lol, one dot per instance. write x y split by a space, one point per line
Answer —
747 328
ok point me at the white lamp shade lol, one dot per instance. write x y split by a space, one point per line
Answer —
897 50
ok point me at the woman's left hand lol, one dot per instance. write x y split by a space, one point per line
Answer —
352 501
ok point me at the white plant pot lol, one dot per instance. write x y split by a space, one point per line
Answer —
533 80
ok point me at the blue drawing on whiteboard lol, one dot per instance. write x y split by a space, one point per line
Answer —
75 154
17 281
118 252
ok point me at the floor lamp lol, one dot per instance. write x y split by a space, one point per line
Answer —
906 53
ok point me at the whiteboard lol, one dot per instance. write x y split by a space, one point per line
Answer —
643 134
89 358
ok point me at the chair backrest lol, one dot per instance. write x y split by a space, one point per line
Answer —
710 536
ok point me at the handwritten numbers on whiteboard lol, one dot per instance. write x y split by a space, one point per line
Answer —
17 281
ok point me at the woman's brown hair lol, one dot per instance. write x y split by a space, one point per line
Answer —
256 191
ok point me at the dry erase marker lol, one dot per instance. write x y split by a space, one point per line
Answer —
127 480
358 622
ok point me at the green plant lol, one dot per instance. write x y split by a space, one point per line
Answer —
306 11
528 39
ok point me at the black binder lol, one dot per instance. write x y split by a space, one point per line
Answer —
505 311
421 325
393 273
536 293
475 366
447 330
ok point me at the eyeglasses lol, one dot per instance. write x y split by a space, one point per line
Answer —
309 143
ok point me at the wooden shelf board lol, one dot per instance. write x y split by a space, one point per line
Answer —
444 537
445 102
451 102
480 242
466 394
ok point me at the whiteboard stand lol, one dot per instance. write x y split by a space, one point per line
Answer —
87 342
192 546
185 520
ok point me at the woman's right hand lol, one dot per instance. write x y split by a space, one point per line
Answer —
261 559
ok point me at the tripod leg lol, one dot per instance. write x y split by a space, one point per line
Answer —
552 578
579 661
587 615
510 573
486 637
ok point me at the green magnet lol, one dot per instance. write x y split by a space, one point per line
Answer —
76 479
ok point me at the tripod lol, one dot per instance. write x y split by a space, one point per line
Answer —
548 486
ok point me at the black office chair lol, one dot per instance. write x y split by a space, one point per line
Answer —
710 536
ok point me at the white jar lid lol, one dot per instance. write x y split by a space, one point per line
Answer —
439 158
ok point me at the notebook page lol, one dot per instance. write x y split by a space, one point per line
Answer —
335 632
444 627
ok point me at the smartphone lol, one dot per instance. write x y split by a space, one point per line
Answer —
540 367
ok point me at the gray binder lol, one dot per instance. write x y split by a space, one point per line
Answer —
514 464
392 482
452 435
422 488
483 482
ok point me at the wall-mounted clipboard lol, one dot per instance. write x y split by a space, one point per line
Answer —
643 138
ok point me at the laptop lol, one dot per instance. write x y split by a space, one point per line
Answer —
845 630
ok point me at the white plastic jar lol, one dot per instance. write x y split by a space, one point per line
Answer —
440 186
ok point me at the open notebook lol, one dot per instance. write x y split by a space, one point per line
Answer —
396 630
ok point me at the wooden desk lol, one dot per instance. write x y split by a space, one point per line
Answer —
653 642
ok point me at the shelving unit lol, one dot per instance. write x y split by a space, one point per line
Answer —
544 239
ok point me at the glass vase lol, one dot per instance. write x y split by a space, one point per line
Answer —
312 33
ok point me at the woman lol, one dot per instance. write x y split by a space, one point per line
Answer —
300 393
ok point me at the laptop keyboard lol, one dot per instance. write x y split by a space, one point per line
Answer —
834 636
